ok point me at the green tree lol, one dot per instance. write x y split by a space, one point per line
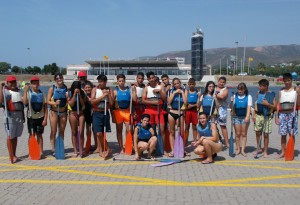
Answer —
261 67
4 67
16 69
36 70
50 69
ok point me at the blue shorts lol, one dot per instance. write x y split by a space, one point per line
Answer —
98 119
285 123
239 120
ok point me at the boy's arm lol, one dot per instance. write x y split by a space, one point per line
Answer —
25 96
224 95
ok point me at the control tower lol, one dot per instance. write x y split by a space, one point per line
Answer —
197 54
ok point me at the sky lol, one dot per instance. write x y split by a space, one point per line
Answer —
40 32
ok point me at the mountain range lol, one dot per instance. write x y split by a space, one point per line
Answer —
269 55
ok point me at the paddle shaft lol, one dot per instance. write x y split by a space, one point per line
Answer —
9 145
30 114
104 125
231 148
78 125
212 102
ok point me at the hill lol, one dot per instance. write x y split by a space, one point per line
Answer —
269 55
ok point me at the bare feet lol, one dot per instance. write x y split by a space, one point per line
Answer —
266 155
101 154
280 156
238 152
107 154
244 154
15 159
122 151
74 155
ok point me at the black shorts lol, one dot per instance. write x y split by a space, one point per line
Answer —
36 125
88 117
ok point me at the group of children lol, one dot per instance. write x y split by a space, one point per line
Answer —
150 112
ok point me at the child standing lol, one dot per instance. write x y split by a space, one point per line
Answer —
37 112
288 97
264 106
191 113
241 104
12 99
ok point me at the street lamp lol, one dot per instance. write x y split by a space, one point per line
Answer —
236 55
28 56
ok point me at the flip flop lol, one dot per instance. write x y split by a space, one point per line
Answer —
206 162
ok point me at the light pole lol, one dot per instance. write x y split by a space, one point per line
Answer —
28 56
236 55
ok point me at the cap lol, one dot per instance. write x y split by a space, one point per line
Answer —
34 78
11 78
81 74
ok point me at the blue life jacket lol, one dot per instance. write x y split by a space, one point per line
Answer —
241 105
123 98
176 97
269 96
36 100
205 132
206 104
60 94
144 133
192 97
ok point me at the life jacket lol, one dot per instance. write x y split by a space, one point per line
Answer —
60 94
36 100
287 100
206 131
144 133
101 104
175 102
36 106
259 107
206 104
74 107
240 105
153 97
192 98
123 98
14 100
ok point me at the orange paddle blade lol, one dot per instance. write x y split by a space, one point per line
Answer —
34 149
128 144
88 144
10 150
289 153
167 146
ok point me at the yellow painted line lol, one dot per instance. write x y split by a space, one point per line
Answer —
260 166
259 161
101 174
264 178
65 182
